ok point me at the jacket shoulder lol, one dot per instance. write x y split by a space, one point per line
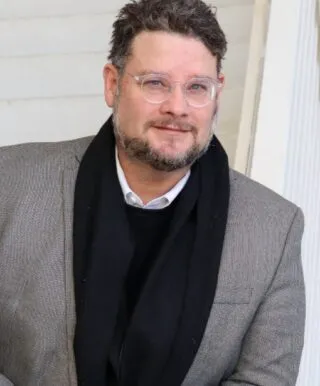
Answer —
32 171
252 199
42 154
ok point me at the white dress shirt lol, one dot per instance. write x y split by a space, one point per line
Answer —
133 199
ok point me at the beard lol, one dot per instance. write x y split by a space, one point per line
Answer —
141 150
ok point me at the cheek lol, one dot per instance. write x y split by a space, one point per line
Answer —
205 122
127 111
133 113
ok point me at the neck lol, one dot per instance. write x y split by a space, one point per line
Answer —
145 181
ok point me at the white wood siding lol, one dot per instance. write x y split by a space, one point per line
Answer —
287 146
51 60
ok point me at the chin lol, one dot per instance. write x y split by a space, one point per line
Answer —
172 146
172 151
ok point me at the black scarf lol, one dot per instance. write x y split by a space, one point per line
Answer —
169 320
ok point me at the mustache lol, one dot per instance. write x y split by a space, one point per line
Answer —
182 125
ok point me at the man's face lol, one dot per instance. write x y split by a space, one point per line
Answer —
172 134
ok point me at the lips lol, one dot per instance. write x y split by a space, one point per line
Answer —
171 128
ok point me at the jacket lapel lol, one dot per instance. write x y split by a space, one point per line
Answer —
68 185
68 199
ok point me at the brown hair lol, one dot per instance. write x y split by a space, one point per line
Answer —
191 18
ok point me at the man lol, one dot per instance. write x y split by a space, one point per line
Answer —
138 257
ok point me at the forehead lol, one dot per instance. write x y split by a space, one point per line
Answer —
171 53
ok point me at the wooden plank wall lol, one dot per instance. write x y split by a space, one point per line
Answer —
51 59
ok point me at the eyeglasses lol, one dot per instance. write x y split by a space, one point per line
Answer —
157 88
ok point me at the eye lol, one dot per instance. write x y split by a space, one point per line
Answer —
155 83
198 87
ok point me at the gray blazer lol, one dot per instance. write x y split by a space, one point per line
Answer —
254 335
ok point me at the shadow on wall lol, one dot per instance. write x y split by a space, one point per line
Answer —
318 23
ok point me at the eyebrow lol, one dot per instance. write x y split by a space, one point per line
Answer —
149 72
152 72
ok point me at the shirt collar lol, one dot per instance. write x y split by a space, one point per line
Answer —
131 198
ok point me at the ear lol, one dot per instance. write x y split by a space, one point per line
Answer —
111 79
222 81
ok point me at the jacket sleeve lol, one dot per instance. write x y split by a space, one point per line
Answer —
5 381
272 347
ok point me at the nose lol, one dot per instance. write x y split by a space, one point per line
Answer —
176 104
